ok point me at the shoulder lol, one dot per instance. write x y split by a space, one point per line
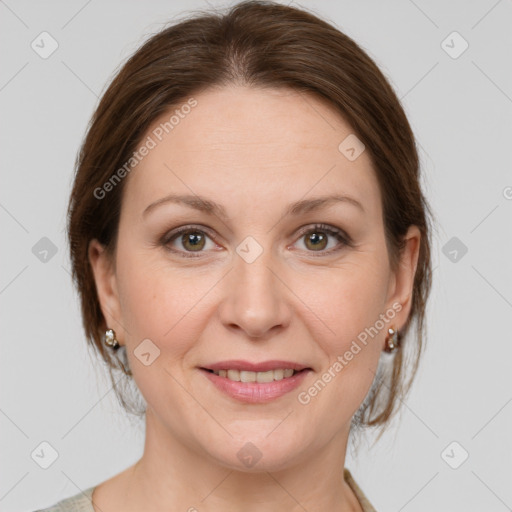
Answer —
80 502
363 500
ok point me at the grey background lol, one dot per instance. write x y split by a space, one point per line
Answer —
53 390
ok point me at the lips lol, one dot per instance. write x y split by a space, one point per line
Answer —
249 391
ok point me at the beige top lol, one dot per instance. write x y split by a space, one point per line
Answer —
81 502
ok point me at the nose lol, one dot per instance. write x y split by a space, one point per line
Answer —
255 297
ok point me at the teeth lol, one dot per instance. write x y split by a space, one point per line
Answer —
245 376
233 375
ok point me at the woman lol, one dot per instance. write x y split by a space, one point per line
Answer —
251 246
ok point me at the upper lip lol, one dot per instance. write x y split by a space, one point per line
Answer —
264 366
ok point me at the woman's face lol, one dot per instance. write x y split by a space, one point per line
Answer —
253 280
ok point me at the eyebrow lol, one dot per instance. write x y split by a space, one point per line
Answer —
212 208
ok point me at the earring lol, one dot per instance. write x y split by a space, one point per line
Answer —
391 340
110 339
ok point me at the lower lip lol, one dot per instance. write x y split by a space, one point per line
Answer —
256 392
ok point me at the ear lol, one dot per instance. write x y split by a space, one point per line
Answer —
402 281
106 286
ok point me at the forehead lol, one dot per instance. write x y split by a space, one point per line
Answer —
248 142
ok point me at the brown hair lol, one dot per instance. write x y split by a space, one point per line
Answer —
263 44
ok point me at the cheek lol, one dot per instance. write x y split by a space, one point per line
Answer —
348 301
160 306
348 327
347 334
160 303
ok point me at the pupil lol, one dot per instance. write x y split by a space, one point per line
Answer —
316 239
194 239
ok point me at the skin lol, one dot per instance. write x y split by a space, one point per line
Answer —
254 151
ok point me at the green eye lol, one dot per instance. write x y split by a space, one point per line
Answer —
194 241
317 238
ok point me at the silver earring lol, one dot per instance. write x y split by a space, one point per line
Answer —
391 340
110 339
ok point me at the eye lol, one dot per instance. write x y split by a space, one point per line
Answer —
191 239
316 239
194 240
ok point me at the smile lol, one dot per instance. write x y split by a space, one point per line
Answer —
255 387
248 376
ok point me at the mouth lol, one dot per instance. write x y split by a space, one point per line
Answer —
251 376
264 372
255 382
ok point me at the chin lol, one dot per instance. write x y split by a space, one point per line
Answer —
257 453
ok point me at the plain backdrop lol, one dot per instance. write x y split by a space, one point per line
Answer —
459 102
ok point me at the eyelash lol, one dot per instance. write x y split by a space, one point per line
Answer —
335 232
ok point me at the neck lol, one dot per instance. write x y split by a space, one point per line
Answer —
177 476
